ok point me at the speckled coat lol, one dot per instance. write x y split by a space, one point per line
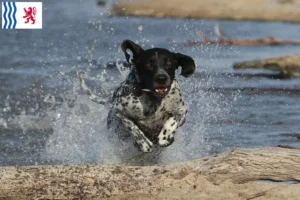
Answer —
147 118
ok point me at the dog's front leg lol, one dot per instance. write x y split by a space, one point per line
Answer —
166 135
143 142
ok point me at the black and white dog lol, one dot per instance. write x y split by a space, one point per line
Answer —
148 104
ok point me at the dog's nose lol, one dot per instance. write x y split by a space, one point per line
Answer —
161 78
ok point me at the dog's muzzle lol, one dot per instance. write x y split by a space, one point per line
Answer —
161 83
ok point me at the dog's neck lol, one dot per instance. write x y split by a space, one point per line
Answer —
136 81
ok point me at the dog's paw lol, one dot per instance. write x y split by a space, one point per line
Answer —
145 145
166 141
166 135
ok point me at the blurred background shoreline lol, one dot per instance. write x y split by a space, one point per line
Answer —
254 10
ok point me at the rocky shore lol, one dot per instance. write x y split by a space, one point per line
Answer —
287 66
230 175
258 10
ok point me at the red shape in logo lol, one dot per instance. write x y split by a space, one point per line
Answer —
30 14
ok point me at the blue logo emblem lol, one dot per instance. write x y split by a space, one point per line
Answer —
9 20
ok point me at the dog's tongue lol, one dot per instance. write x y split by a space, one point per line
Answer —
161 90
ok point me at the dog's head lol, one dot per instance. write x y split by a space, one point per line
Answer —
155 68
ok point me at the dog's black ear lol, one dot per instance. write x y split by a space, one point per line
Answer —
187 64
134 48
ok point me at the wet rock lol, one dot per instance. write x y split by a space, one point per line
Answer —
296 135
288 66
101 3
287 147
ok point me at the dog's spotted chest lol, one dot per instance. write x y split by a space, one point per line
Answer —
150 116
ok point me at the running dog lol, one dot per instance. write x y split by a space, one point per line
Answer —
148 105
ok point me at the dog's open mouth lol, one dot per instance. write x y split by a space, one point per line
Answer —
161 90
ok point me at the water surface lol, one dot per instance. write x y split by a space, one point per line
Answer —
46 119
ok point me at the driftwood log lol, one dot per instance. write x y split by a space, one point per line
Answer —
288 66
269 41
225 40
228 175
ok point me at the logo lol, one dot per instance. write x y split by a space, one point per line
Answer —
30 14
22 15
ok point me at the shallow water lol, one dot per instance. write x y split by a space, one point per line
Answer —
46 119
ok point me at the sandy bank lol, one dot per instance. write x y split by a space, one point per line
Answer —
261 10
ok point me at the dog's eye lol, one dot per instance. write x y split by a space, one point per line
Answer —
148 65
169 64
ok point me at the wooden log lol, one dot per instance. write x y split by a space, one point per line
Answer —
225 40
270 41
226 170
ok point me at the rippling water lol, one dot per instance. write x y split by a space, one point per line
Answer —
46 119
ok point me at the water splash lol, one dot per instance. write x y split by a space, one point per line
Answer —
78 125
80 134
